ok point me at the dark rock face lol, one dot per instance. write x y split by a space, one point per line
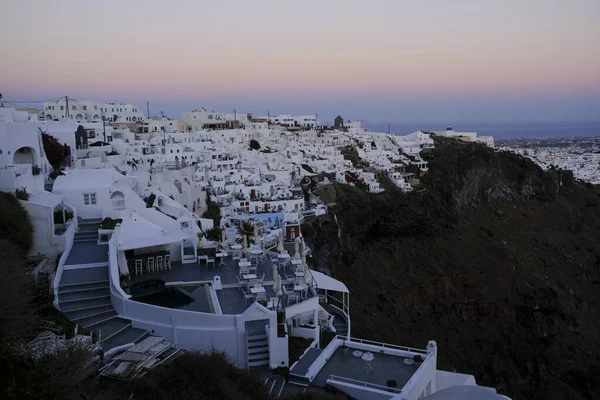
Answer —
497 260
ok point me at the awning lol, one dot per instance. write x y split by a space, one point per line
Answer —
139 233
328 283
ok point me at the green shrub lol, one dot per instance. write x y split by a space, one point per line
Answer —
109 223
35 170
391 383
58 216
15 224
22 194
150 200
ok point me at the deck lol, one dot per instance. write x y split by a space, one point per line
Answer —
385 367
189 278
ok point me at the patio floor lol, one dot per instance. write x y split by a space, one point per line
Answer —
385 367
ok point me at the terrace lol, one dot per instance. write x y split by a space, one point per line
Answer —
194 286
365 369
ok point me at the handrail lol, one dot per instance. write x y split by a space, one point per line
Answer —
365 384
334 343
387 345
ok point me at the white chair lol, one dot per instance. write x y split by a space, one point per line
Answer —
139 270
247 295
168 261
150 264
210 260
293 296
159 263
261 296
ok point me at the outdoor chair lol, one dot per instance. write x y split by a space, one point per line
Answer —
261 280
247 295
203 258
292 296
138 267
261 296
210 260
159 263
168 261
150 264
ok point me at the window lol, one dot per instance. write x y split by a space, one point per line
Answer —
89 199
95 107
62 108
73 108
84 108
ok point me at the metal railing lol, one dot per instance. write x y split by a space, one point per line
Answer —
364 384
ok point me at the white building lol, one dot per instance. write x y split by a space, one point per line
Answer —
202 119
87 110
304 121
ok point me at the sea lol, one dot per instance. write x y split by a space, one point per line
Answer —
499 130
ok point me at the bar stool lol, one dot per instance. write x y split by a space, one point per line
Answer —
150 264
168 261
159 263
138 267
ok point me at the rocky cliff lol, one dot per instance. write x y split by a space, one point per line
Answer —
496 260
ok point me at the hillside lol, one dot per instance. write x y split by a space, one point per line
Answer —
496 260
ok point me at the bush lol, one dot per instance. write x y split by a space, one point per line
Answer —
213 234
15 224
150 200
22 194
55 174
35 170
391 383
254 145
58 216
109 223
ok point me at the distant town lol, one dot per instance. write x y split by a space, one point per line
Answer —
578 154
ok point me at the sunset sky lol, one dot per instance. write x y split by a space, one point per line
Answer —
378 60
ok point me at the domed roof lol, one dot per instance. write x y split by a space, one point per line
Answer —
466 392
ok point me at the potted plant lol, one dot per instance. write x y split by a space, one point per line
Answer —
391 383
418 359
124 280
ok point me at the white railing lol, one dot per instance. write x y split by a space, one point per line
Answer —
345 310
69 236
364 385
387 345
320 361
419 373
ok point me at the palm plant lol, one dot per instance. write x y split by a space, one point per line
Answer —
246 229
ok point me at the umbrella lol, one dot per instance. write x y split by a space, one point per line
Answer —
306 272
297 249
280 244
224 235
256 236
276 280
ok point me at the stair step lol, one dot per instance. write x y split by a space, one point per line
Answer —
258 350
64 297
255 345
258 363
91 321
125 336
88 312
111 328
83 287
83 304
257 337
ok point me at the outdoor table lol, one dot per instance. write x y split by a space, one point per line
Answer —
257 289
221 256
236 246
249 276
255 252
283 255
300 287
357 353
296 262
299 274
367 358
245 264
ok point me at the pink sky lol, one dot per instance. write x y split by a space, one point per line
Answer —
264 50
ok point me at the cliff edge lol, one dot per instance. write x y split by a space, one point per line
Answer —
494 258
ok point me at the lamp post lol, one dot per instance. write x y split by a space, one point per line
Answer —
104 127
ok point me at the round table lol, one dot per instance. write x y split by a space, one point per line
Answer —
408 361
368 357
357 353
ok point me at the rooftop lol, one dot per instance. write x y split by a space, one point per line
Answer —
385 367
